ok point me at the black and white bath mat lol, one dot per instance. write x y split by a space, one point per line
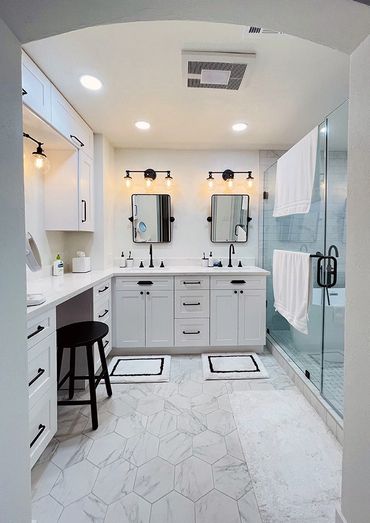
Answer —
233 366
139 369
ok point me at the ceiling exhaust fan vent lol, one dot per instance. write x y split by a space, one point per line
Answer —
253 30
209 70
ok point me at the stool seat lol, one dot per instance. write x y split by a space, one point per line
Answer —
81 334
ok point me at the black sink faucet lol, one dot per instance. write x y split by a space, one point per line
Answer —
151 264
231 249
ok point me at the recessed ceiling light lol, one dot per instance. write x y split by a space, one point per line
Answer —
144 126
90 82
239 127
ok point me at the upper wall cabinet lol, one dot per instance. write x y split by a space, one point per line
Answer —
36 89
65 119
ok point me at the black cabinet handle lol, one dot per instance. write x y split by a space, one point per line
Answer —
40 372
191 332
191 282
73 137
237 282
84 204
198 303
104 314
144 283
40 328
41 430
105 344
103 290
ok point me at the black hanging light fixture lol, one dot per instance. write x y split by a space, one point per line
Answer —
168 179
250 178
38 155
149 176
128 179
210 180
228 176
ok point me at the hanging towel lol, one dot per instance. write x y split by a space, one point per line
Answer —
295 174
291 273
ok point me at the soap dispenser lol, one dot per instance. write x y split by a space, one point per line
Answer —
210 260
122 261
58 266
130 260
204 260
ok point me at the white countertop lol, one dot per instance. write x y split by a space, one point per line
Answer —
58 289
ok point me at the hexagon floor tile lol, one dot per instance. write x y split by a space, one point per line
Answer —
193 478
215 507
107 449
231 477
192 422
209 446
131 425
221 421
115 480
175 447
162 423
129 509
154 479
85 510
173 508
141 448
75 482
149 406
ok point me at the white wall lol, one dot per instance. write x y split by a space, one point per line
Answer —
14 442
190 198
356 458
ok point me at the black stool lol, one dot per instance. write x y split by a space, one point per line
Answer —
83 334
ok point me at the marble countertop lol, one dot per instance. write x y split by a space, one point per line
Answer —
58 289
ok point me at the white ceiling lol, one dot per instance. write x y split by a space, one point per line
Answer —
294 84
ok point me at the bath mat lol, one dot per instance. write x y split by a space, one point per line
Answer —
139 369
233 366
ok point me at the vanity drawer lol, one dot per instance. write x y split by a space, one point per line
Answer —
191 304
238 282
158 283
192 332
40 327
102 290
107 342
41 368
102 309
192 282
42 423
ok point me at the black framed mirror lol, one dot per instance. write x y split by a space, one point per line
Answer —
151 218
229 218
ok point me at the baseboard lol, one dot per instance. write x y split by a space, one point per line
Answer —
339 518
182 351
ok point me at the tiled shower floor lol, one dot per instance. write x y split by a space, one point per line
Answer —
163 453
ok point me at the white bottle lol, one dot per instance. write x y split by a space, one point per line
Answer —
210 260
58 266
122 261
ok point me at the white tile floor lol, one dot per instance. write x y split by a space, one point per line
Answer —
163 453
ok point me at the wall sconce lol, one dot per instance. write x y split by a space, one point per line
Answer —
149 176
228 176
39 156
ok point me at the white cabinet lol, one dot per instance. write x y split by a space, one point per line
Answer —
36 93
252 318
159 318
65 120
224 317
103 313
86 192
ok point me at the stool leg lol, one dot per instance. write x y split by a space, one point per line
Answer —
104 367
72 370
59 362
90 366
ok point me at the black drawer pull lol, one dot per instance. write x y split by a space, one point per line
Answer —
40 372
239 282
198 303
105 344
39 329
191 332
73 137
103 290
145 282
104 314
83 220
41 430
191 282
24 91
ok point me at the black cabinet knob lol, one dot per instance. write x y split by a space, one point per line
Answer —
141 292
235 292
147 292
241 292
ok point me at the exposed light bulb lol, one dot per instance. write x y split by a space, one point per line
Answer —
230 183
168 182
210 183
250 183
39 162
128 182
148 182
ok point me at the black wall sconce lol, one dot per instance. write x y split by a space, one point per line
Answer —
228 176
149 176
39 155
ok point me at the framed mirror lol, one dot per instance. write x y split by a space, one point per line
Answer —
229 218
151 218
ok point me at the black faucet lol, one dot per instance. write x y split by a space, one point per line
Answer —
151 264
335 249
231 248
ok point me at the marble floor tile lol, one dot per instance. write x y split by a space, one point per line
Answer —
233 445
131 425
193 478
190 389
221 421
120 407
129 509
107 424
162 423
49 451
46 510
115 480
215 507
43 478
231 477
72 424
224 402
75 482
107 449
248 508
154 479
192 422
141 448
177 403
215 388
204 403
175 447
173 508
149 406
86 510
72 450
209 446
165 390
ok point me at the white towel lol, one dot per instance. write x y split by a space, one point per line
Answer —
291 273
295 174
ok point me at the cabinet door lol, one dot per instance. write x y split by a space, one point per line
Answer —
129 319
224 318
159 319
86 192
36 89
252 318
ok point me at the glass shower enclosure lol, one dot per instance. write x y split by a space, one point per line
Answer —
320 354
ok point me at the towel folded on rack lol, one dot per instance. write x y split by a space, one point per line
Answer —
295 174
291 273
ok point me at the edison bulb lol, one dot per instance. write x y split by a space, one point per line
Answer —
148 182
128 182
168 182
210 184
230 183
39 162
250 183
